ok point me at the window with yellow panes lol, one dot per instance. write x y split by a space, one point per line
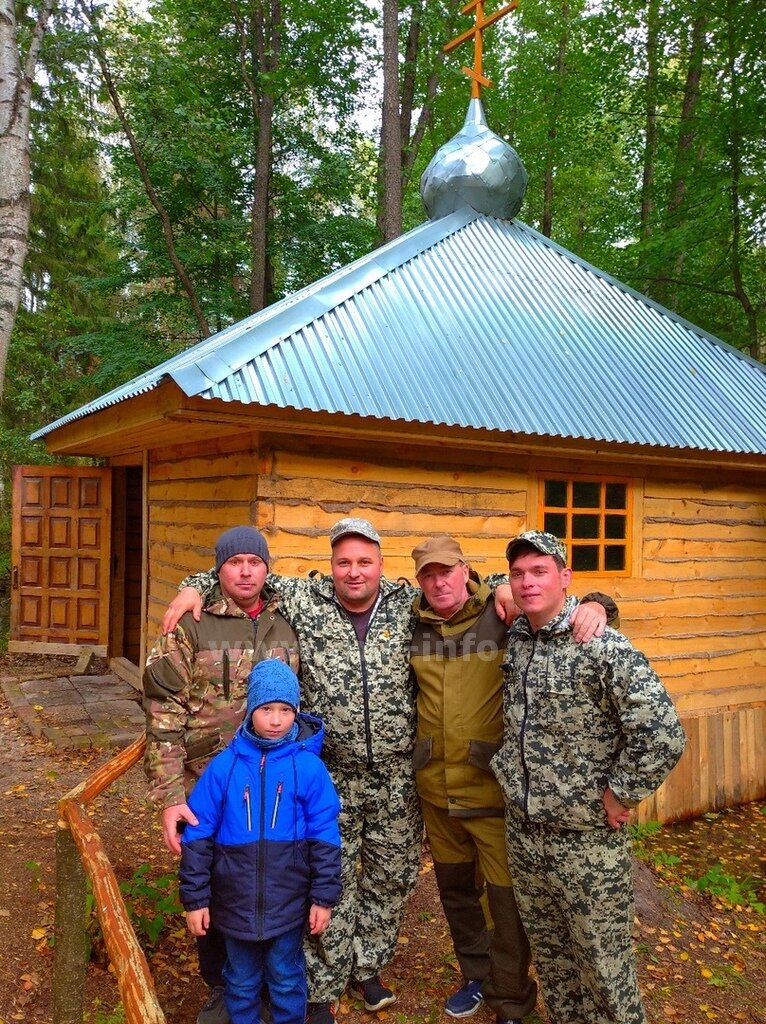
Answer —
593 516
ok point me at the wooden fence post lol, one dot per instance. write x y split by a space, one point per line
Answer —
69 930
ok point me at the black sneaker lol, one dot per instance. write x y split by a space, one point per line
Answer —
508 1020
374 994
320 1013
214 1011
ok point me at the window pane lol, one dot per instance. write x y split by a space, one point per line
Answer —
586 494
556 493
616 496
584 559
556 523
614 528
585 526
614 557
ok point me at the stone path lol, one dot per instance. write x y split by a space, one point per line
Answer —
77 711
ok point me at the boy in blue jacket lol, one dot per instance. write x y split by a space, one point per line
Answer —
264 858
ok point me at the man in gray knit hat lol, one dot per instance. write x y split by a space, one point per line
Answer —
195 693
354 628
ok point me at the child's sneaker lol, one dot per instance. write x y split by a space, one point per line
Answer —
466 1001
374 994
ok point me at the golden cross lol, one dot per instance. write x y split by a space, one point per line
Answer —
476 73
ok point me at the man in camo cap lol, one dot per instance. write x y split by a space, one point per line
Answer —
589 731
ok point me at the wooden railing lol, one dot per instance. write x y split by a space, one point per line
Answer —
80 853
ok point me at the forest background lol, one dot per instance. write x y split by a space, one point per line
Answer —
170 166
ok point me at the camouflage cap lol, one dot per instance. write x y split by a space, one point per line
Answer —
353 527
440 550
546 543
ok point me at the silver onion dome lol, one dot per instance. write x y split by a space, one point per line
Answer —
476 168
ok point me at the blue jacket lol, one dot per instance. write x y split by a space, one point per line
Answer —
267 844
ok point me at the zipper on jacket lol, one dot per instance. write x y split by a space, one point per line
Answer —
277 798
260 909
248 808
524 717
226 675
362 660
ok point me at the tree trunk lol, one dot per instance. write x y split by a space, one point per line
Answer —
153 196
69 965
16 75
553 118
390 207
685 146
411 140
260 45
650 121
756 347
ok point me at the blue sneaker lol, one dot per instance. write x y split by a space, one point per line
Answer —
466 1001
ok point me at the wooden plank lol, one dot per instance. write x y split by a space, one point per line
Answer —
731 777
703 766
715 531
694 752
710 700
126 670
44 647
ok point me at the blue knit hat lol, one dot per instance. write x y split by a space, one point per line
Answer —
240 540
270 682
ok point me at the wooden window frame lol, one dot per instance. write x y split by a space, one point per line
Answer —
602 540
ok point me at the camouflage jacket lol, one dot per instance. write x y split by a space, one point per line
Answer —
365 694
457 665
578 719
195 688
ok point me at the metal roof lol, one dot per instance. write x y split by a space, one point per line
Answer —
485 323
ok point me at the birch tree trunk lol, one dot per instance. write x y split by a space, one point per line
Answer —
17 72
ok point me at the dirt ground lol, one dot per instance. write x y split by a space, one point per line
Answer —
701 958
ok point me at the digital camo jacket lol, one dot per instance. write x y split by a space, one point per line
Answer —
195 688
578 719
364 693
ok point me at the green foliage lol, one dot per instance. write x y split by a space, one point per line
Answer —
738 892
99 1014
151 902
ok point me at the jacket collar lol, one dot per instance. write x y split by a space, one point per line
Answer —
478 595
557 625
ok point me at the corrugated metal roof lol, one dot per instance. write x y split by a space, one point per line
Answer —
479 322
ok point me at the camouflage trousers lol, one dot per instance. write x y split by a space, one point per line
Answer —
575 894
381 835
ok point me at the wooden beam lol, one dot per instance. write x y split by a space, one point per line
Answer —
39 647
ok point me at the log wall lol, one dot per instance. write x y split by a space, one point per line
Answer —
695 601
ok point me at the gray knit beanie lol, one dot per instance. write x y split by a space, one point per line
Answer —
240 540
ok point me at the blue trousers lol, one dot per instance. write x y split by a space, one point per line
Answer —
280 964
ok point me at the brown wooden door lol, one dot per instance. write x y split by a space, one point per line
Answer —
61 551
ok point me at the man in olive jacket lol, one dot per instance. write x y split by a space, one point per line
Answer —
457 650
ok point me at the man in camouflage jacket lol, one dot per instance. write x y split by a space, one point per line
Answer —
589 731
354 630
195 694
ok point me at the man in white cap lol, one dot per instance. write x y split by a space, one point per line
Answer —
354 630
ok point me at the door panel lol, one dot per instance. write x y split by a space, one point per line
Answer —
61 552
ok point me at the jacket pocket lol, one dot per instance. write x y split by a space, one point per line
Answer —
205 746
421 755
480 753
